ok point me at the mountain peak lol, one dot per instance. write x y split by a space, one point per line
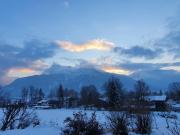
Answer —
56 68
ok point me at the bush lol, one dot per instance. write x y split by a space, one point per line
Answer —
81 125
118 123
17 116
143 123
26 119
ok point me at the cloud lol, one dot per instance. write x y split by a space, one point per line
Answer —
30 56
101 45
138 51
140 66
171 41
22 72
149 66
115 70
36 49
102 66
176 68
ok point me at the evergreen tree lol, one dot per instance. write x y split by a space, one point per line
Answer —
60 95
89 95
40 94
114 92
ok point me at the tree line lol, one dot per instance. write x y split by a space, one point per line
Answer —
113 96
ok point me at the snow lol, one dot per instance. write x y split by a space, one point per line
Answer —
33 131
156 98
57 116
52 122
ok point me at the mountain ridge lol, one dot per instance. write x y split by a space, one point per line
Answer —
73 79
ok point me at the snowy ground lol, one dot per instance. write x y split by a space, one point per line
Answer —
52 122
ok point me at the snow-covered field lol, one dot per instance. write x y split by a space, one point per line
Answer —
52 122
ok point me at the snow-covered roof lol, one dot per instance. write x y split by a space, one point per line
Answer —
42 101
156 98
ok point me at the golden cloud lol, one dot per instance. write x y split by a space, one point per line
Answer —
115 70
21 72
101 45
18 72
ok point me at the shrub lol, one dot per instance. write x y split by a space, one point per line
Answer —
118 123
81 125
143 123
26 119
93 126
17 116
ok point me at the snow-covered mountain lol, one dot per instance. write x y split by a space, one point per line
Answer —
75 78
69 77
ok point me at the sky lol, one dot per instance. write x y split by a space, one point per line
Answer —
117 36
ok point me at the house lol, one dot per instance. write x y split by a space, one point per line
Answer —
70 102
42 104
54 103
159 102
175 105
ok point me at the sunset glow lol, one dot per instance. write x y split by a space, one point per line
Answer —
116 70
21 72
101 45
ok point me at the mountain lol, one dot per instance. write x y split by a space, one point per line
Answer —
157 79
69 77
75 78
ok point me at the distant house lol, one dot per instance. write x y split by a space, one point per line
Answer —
159 102
54 103
175 105
42 104
71 102
46 104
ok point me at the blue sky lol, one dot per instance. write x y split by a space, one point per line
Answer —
107 34
122 21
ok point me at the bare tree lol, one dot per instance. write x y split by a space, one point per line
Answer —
141 90
24 94
11 113
174 90
16 116
27 118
